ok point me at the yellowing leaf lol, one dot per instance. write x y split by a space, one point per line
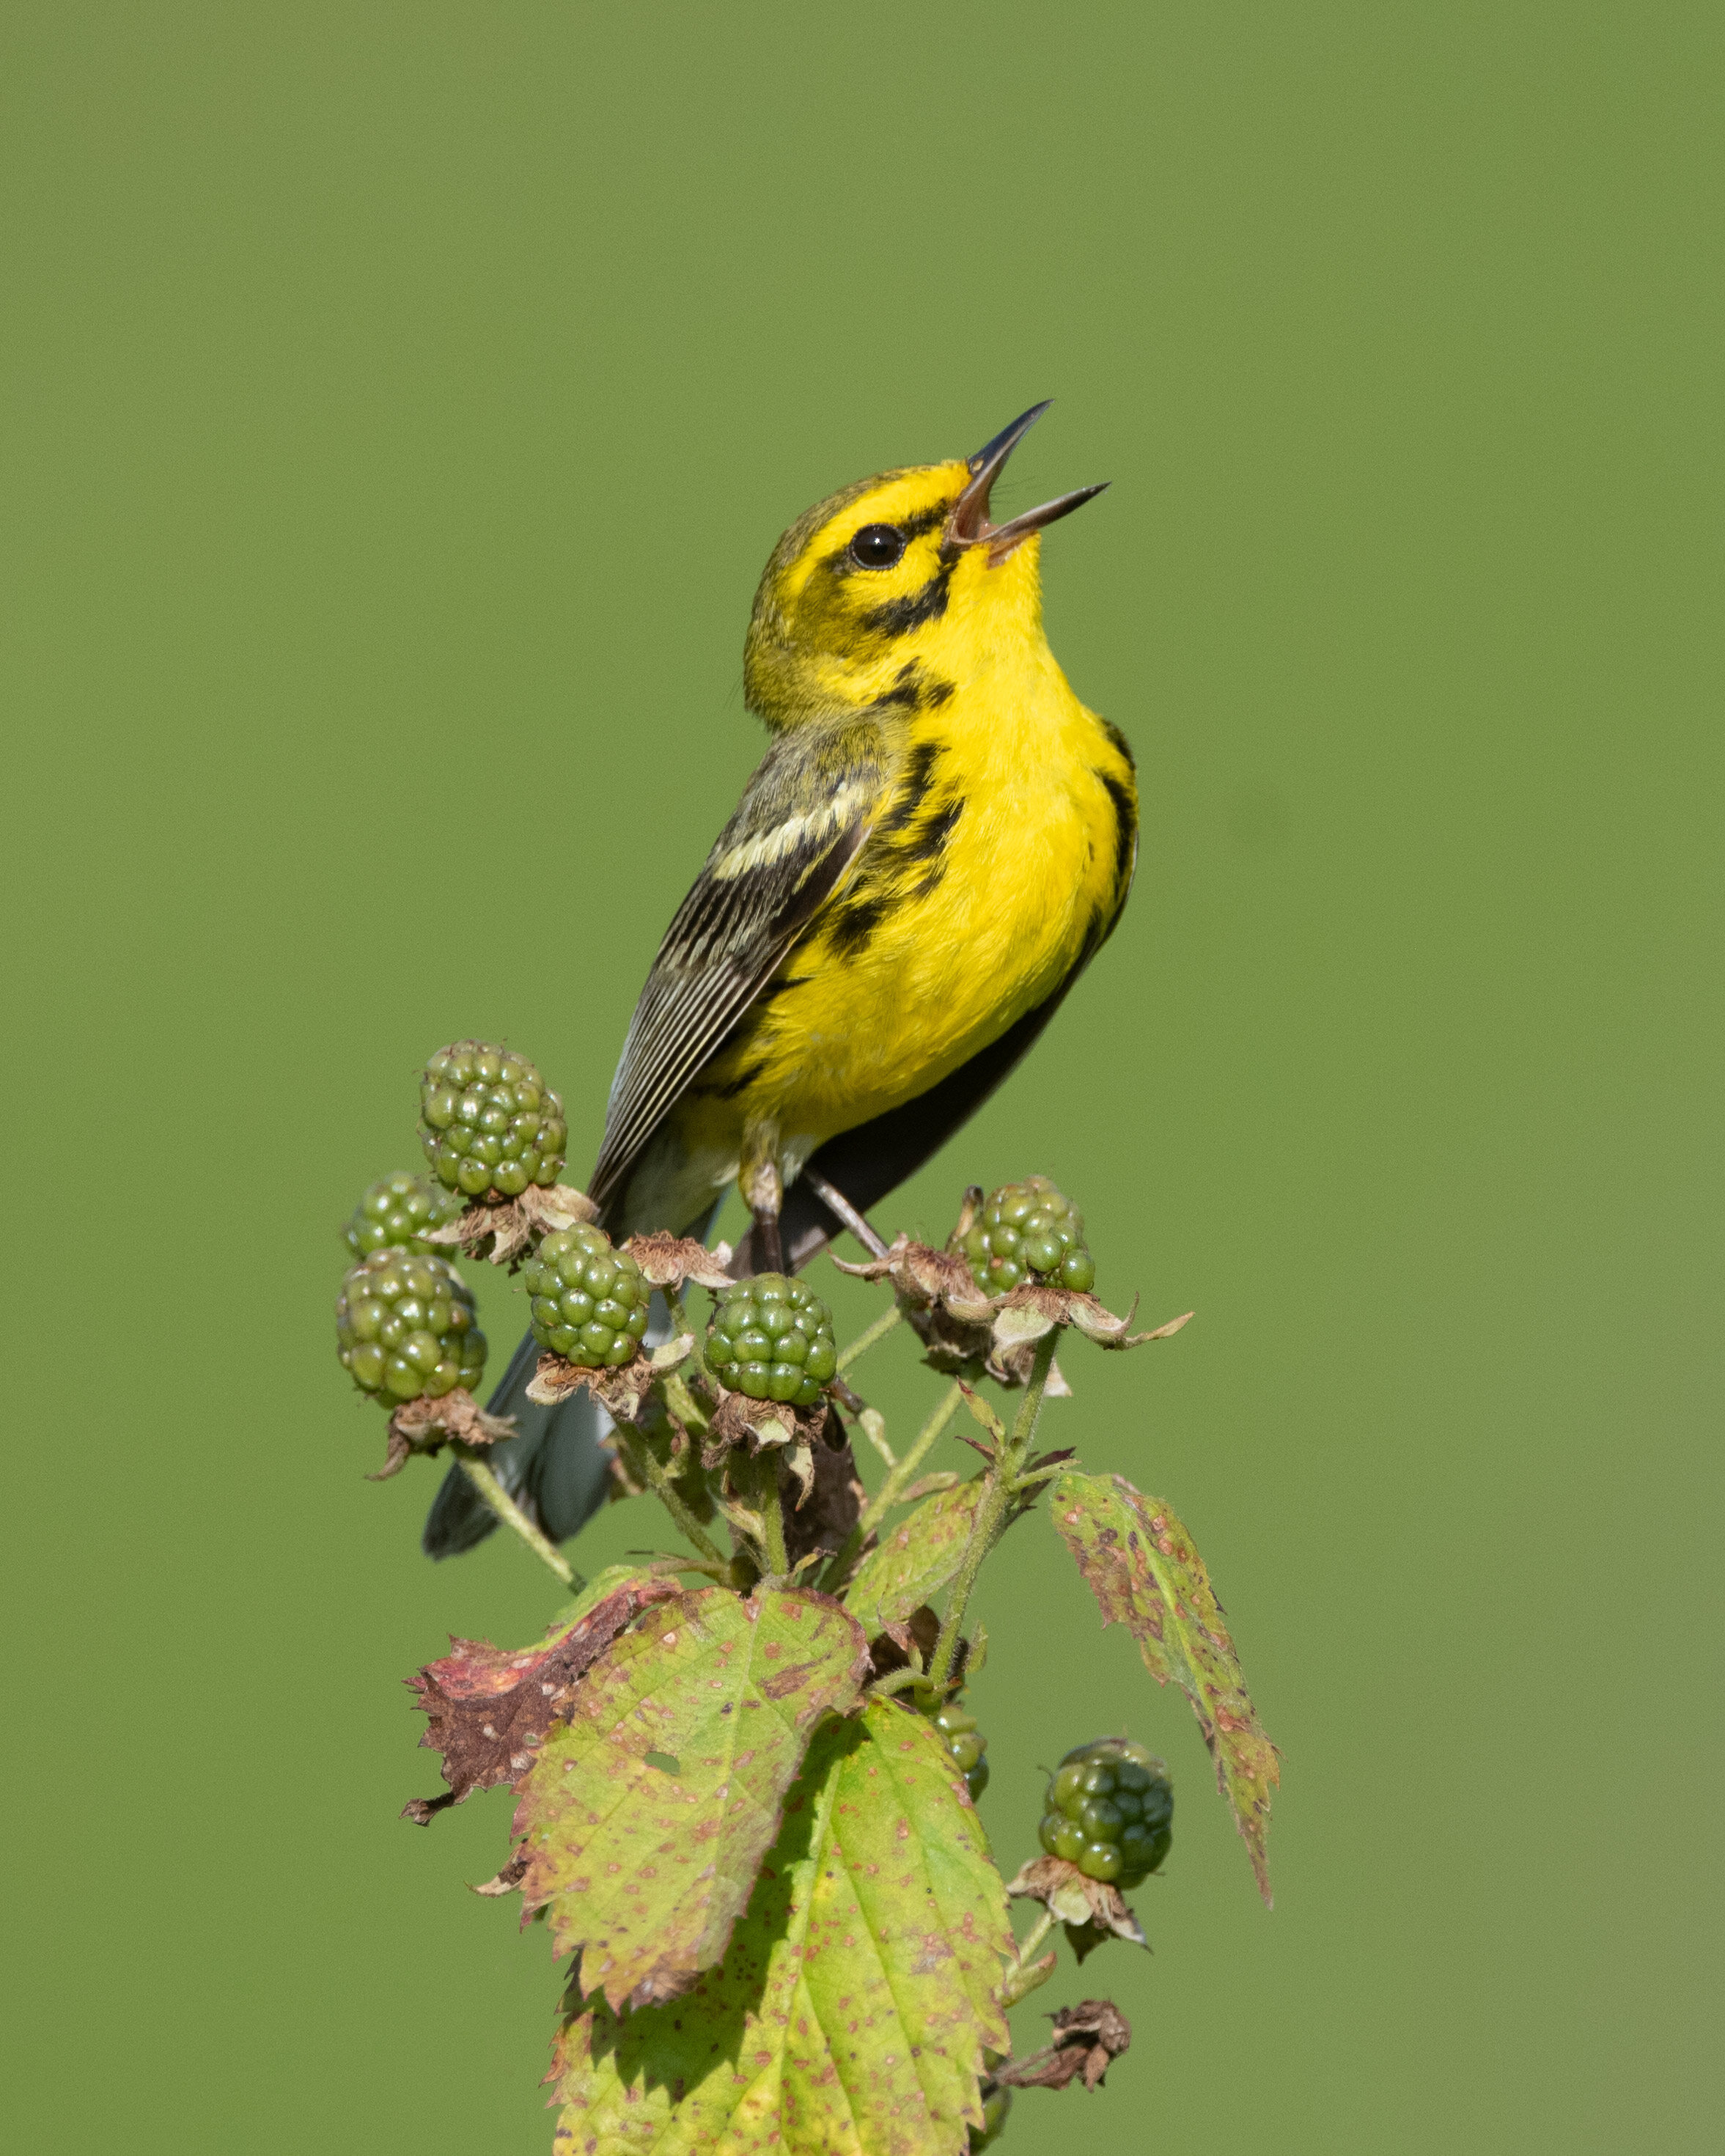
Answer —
916 1559
851 2015
647 1870
1146 1574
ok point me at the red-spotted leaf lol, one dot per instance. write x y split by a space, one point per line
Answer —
645 1816
852 2014
916 1559
1146 1574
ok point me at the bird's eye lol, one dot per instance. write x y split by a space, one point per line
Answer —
877 547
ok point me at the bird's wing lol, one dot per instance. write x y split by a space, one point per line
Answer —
802 821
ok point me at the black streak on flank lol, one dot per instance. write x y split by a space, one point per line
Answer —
919 771
740 1084
854 924
931 838
1120 742
1126 826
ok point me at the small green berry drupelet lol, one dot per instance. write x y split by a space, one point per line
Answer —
965 1748
1110 1811
395 1212
404 1328
772 1338
1028 1231
589 1299
488 1122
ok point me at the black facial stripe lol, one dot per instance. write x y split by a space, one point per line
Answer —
897 617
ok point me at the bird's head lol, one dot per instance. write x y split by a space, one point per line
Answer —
898 589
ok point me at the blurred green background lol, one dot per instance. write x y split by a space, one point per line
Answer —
399 403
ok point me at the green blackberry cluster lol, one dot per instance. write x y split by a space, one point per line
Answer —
590 1301
404 1328
1110 1811
1029 1230
772 1338
964 1747
488 1122
395 1214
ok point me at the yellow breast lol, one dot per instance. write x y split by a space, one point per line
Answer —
999 862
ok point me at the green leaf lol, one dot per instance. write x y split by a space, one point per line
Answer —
645 1870
916 1560
1146 1574
851 2014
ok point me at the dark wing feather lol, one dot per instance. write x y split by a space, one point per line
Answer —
806 813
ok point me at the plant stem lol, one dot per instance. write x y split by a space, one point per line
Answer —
886 1496
639 1456
865 1341
990 1521
1021 1977
778 1561
511 1515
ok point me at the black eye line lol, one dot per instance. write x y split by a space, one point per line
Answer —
913 527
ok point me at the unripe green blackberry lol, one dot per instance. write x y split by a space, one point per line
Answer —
772 1338
1028 1231
965 1747
590 1301
395 1214
488 1122
404 1328
1109 1811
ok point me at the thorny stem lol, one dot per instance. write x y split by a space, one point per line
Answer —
639 1456
865 1341
511 1515
886 1496
998 1492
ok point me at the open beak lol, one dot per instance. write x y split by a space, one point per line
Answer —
968 525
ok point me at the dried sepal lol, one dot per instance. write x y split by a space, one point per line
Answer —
1062 1888
426 1425
501 1231
825 1516
670 1260
1088 2038
619 1390
925 1278
739 1420
1030 1311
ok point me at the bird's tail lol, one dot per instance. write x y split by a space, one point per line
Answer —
557 1466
